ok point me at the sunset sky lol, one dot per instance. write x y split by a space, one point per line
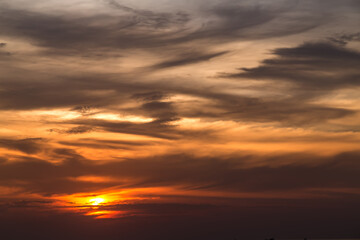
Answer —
179 120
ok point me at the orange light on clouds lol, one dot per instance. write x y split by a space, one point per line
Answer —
105 214
98 204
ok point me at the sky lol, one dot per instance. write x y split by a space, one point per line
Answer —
202 119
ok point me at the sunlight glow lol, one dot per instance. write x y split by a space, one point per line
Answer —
57 114
96 201
105 214
117 117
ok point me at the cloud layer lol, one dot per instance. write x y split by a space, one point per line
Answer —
204 113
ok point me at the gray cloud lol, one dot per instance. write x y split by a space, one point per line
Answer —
73 130
157 128
152 99
108 144
4 54
150 96
344 39
27 145
66 34
301 66
239 22
103 62
339 171
308 67
152 19
186 59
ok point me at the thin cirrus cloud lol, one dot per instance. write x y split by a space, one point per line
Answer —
226 21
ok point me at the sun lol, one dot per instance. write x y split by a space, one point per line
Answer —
96 201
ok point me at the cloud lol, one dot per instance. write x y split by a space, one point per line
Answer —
104 92
96 72
311 66
69 36
248 21
302 66
306 72
187 59
232 174
150 96
153 99
153 19
4 53
27 145
288 112
156 129
344 39
107 144
102 34
74 130
257 220
76 90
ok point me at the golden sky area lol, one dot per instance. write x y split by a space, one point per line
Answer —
176 117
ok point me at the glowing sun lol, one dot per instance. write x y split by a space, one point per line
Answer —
96 201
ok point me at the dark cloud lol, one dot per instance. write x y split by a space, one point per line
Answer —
288 112
154 104
74 130
66 34
3 53
318 51
253 219
152 19
75 91
27 203
108 144
211 173
152 99
317 67
345 38
157 128
187 59
122 142
236 22
164 112
150 96
123 61
292 111
28 145
301 65
308 71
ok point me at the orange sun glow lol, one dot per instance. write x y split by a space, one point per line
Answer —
97 201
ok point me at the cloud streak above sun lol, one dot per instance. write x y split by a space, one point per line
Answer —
180 111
